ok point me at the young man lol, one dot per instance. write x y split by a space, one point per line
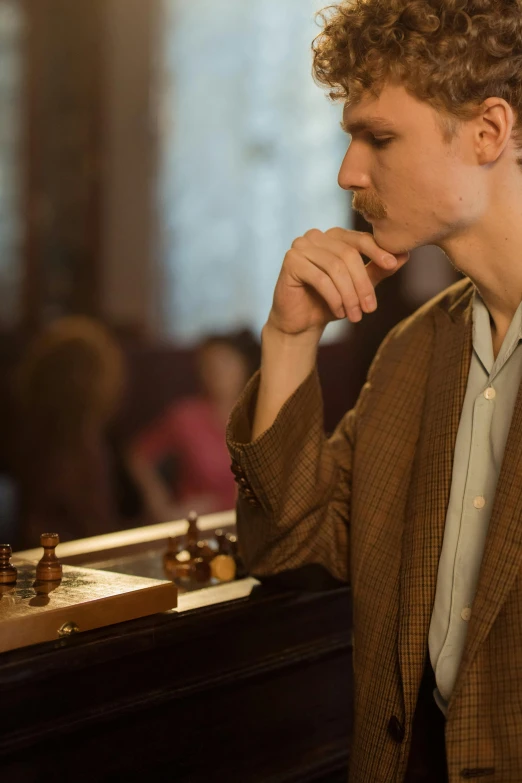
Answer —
417 497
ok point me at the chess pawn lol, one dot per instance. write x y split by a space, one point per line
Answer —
8 572
241 570
223 544
200 570
192 534
223 567
169 558
49 569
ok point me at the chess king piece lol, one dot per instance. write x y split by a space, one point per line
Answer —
49 569
8 572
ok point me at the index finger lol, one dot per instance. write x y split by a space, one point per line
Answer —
366 244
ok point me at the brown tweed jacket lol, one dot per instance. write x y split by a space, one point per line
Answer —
369 504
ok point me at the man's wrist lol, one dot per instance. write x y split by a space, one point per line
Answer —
308 339
287 360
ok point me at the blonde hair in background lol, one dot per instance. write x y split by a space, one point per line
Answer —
70 378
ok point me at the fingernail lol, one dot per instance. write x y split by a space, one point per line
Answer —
370 302
390 261
355 314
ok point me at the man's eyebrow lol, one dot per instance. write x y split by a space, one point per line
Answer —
369 124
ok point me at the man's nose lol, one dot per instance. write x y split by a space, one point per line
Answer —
352 174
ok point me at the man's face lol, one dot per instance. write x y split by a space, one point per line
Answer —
414 186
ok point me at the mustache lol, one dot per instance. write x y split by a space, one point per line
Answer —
369 204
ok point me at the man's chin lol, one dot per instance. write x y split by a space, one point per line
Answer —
390 242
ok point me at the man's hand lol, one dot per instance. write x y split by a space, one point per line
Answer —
324 278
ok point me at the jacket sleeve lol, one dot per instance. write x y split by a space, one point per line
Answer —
294 484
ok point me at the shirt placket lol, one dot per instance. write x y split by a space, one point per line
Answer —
478 496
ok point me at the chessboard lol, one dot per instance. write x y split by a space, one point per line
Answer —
34 611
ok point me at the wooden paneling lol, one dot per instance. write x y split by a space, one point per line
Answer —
64 67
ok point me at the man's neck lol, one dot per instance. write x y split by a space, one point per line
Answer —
497 340
490 254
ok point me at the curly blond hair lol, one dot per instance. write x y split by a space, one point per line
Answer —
452 54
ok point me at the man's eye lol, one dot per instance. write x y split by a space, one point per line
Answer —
379 143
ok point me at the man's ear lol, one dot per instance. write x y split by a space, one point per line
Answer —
493 129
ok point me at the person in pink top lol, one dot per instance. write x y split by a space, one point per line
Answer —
190 434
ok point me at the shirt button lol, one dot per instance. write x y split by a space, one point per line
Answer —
490 393
466 613
479 502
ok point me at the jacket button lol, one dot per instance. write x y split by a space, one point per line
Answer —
396 729
236 468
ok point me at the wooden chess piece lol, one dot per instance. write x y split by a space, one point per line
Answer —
49 569
223 567
183 571
8 572
200 570
204 550
177 563
189 562
231 543
241 571
192 534
223 545
169 558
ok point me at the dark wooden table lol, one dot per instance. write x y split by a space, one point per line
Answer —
242 683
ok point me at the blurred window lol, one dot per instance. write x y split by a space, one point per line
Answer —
250 148
10 168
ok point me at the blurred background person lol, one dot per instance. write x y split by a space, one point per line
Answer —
181 457
71 466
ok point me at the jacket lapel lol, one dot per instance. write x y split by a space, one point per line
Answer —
502 559
430 489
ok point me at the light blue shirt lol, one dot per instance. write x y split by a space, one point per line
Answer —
479 449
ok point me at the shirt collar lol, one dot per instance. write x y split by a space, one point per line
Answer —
483 340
